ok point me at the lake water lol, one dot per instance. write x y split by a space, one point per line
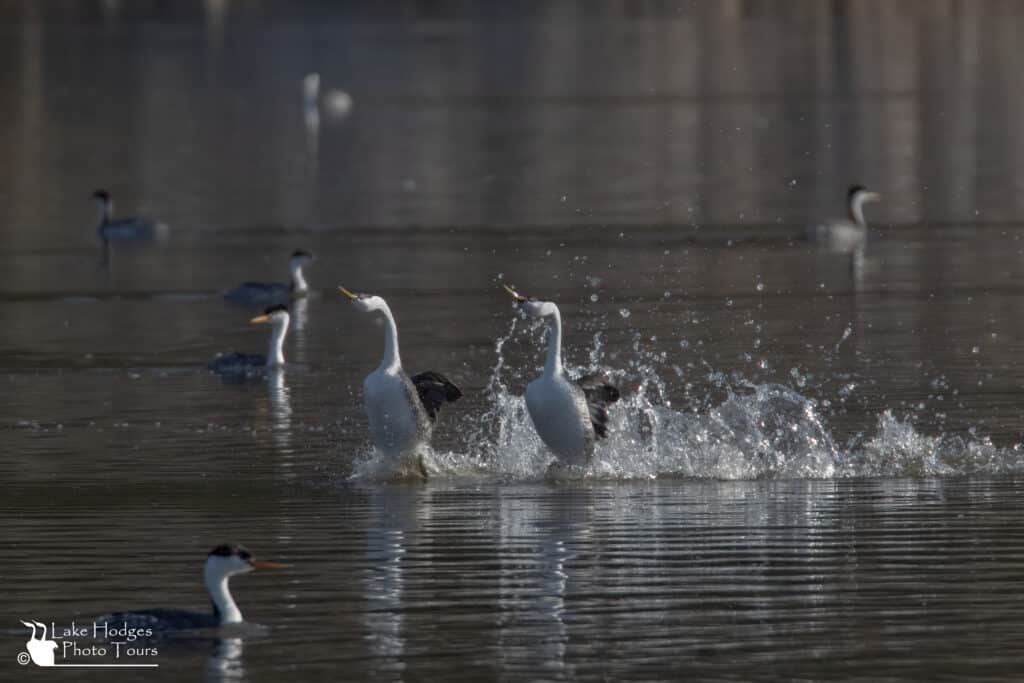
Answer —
814 472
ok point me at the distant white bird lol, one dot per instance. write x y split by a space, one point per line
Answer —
401 410
248 363
338 103
311 90
266 293
569 416
335 102
125 229
222 563
843 234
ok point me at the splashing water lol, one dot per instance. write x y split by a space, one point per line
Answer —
759 431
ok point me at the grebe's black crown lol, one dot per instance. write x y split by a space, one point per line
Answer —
275 309
300 252
231 549
854 189
101 194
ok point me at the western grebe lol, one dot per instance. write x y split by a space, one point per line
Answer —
569 416
275 292
124 229
247 363
845 234
222 563
401 410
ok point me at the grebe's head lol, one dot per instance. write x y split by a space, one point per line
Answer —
275 315
102 199
300 259
858 194
365 303
229 559
530 306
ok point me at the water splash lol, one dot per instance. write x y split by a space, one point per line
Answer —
757 431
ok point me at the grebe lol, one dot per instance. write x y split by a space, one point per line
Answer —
222 563
569 416
843 234
247 363
124 229
275 292
401 410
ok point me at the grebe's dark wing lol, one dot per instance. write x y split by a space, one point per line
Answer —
435 390
600 394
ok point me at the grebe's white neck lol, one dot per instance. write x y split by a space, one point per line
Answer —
224 606
553 365
370 303
275 354
298 282
858 198
391 361
106 210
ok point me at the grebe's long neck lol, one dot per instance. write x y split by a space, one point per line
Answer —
106 211
224 607
391 360
553 366
298 284
275 354
857 210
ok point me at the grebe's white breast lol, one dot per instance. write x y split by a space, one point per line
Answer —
839 235
394 423
560 415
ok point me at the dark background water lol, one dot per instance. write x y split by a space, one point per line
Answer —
646 164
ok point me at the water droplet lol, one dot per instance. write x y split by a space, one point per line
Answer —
760 286
594 298
975 350
624 312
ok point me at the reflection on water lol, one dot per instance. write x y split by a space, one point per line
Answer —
225 662
648 166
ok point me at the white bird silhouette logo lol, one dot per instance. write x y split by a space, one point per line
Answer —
40 650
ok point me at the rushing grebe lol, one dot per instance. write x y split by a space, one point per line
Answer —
401 410
569 416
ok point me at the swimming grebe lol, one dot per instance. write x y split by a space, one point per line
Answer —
222 563
267 293
248 363
845 234
124 229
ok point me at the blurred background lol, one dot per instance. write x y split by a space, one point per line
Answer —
641 112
